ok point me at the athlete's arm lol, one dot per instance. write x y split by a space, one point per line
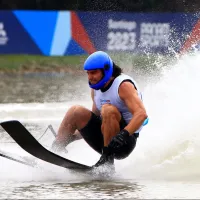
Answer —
94 107
128 94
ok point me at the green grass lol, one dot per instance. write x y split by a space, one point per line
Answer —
17 62
9 63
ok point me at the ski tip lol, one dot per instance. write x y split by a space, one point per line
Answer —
9 122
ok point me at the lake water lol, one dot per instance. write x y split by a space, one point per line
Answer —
165 163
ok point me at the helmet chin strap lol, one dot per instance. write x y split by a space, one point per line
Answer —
102 70
96 84
103 88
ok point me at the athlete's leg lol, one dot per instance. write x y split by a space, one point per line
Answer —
76 118
110 122
111 118
91 133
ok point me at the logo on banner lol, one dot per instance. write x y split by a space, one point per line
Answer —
3 35
121 35
154 34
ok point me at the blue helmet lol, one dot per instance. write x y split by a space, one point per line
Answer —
99 60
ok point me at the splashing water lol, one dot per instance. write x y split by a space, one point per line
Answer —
168 147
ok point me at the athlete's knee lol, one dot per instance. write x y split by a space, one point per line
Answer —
81 116
111 112
78 110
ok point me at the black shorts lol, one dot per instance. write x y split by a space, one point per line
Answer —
92 134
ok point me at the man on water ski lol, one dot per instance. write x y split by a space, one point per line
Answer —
117 117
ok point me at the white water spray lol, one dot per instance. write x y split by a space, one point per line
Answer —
168 147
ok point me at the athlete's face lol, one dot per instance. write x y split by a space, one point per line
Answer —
94 76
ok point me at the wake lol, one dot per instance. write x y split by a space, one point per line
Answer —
169 145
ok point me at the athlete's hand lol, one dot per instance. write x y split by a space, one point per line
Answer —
119 140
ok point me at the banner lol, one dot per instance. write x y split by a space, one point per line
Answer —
53 33
14 39
138 32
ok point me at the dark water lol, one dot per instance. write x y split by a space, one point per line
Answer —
42 87
53 87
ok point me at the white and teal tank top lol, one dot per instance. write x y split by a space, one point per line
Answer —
111 96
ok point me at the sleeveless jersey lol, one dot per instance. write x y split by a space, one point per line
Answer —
111 96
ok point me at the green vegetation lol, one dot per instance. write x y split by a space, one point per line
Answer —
33 63
9 63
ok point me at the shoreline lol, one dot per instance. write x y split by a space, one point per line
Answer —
20 64
42 70
34 64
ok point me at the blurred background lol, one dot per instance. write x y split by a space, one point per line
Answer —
43 44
